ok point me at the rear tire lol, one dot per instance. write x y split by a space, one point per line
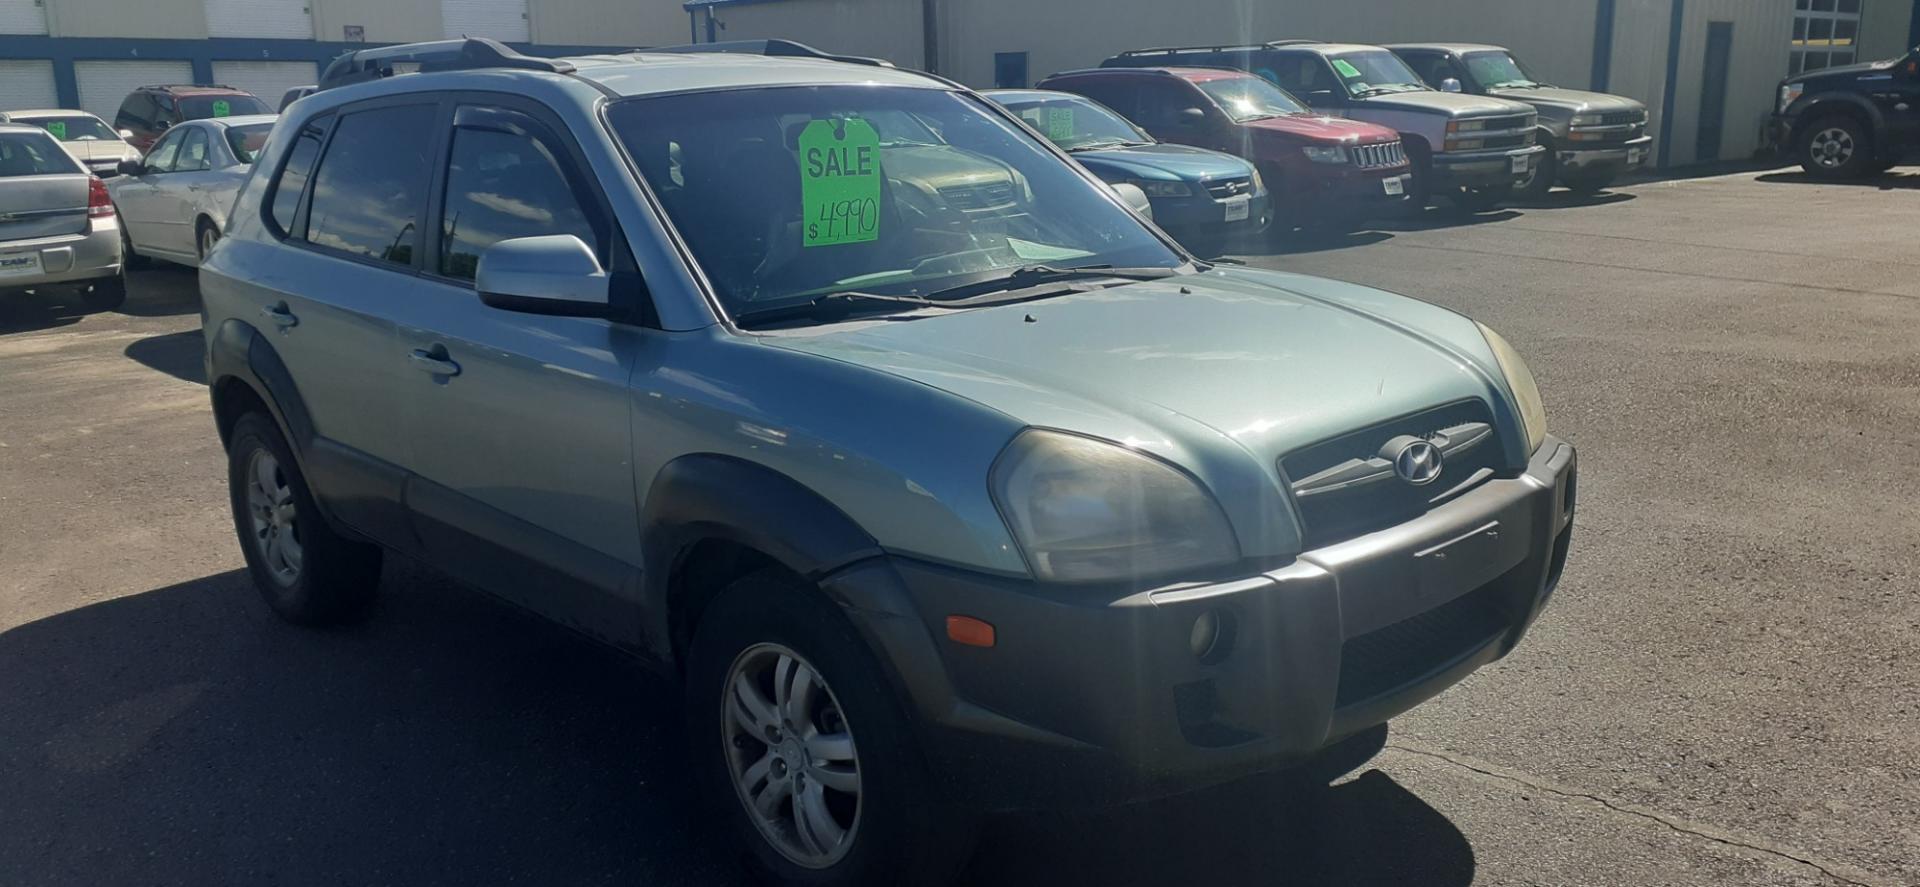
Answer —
307 573
1479 200
1836 148
769 630
105 294
205 235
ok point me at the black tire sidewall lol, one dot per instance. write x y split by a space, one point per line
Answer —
1862 163
337 577
904 835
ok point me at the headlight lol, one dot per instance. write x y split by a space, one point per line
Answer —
1326 153
1526 392
1163 189
1259 184
1790 93
1466 125
1585 120
1084 510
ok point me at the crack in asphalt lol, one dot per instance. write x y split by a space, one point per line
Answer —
1846 874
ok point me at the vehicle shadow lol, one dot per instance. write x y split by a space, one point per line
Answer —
26 312
179 355
1434 217
1886 181
1307 240
162 290
1565 199
186 736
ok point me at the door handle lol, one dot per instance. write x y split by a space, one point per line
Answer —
279 316
434 361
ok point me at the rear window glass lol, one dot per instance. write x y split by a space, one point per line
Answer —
372 184
24 154
200 107
246 141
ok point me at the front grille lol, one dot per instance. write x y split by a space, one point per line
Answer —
1379 156
992 195
1495 124
1621 118
1235 186
1334 513
1612 138
1389 658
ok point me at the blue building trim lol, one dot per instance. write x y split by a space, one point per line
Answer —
1913 28
1669 93
64 51
1603 45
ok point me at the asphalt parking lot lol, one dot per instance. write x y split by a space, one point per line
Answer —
1726 691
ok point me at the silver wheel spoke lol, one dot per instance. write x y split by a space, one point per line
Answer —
264 476
799 708
276 557
815 822
758 773
831 747
843 779
782 678
766 801
290 552
801 786
750 708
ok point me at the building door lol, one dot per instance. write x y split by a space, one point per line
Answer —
499 19
285 19
267 80
23 17
1713 91
104 85
27 83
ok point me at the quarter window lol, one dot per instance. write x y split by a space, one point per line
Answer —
293 177
372 184
502 185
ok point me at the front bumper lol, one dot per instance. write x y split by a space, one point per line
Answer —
1485 169
1609 160
1205 213
1344 192
67 258
1090 699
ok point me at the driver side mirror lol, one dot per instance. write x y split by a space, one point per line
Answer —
131 168
553 274
124 134
1451 84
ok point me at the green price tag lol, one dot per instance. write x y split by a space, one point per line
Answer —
1345 68
1059 124
58 128
840 182
221 108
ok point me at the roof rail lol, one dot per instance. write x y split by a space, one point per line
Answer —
467 54
1234 47
775 47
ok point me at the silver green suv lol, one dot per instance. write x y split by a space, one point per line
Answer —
945 482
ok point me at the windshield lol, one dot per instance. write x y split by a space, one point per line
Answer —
74 128
788 193
246 141
1498 70
1375 71
1251 98
31 154
1077 124
200 107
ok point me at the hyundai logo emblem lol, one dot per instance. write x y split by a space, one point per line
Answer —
1418 463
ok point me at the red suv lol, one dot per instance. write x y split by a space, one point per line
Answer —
1316 167
150 111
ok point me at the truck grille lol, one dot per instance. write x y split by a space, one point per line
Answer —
1388 658
1234 186
992 195
1333 511
1621 118
1379 156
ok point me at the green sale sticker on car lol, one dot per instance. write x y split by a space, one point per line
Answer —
840 181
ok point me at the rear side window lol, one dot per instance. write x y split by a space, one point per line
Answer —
372 184
135 113
502 185
293 177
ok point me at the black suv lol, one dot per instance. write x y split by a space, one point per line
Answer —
1850 121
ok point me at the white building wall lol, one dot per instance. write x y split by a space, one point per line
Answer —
887 29
1885 28
178 19
630 23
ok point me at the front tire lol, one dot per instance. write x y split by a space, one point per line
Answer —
204 237
1836 148
1479 200
797 735
128 258
307 573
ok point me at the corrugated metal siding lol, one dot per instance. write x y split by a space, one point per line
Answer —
498 19
888 29
27 83
104 85
23 17
1885 29
1762 34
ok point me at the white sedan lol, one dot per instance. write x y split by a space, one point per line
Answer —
88 138
173 205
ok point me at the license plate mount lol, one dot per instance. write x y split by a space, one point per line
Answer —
1239 208
1519 164
19 264
1393 186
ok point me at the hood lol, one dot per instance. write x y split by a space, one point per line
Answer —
1845 72
1326 129
1452 104
1571 101
1267 361
1180 162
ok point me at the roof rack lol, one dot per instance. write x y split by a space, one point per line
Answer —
775 47
471 53
1169 50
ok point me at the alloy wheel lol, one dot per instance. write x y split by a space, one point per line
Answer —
1832 147
208 237
790 752
276 527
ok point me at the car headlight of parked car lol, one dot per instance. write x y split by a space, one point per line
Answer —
1162 189
1259 184
1085 510
1526 392
1586 120
1326 153
1790 93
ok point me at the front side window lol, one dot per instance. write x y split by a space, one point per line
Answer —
1374 72
73 128
293 176
1498 70
502 185
1077 124
1250 98
372 184
246 141
787 194
164 152
32 154
1300 73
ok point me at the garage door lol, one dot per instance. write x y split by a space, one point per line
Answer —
287 19
268 80
499 19
23 17
104 85
27 83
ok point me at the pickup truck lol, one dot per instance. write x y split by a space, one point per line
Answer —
1850 121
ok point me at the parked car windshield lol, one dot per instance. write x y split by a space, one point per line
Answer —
32 154
1375 71
1076 124
1251 98
200 107
246 141
785 194
72 128
1498 70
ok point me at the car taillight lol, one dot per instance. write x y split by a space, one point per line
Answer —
99 205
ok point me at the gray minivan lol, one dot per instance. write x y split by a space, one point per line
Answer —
938 492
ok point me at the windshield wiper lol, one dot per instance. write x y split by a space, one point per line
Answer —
1099 146
832 303
1037 275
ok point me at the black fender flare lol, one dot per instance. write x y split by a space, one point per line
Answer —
1825 104
239 353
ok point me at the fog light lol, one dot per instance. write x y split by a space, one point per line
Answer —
1212 636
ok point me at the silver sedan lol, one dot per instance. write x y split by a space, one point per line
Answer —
57 227
174 203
